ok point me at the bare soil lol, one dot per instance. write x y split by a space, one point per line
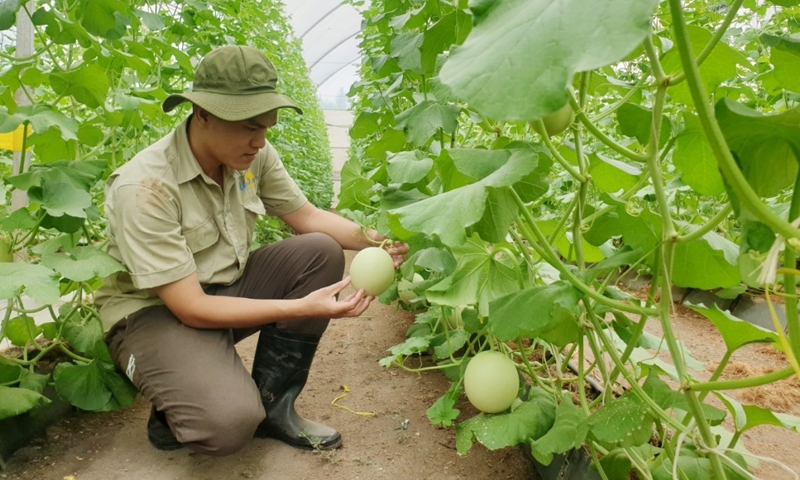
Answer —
103 446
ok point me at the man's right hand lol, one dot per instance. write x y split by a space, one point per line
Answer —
325 304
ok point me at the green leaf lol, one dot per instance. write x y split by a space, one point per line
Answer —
365 124
82 337
706 263
546 312
443 411
409 167
722 64
611 175
8 13
465 205
667 398
22 330
480 277
735 332
765 146
624 422
451 342
452 28
691 465
637 121
14 401
63 199
565 245
785 58
500 213
41 118
100 17
694 158
38 282
528 421
534 47
568 432
33 381
87 84
82 263
746 417
617 463
82 385
422 121
19 220
405 48
153 21
391 141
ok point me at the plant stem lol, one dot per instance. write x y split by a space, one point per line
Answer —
549 257
707 227
580 115
713 42
717 372
668 247
613 108
559 158
730 170
790 281
742 382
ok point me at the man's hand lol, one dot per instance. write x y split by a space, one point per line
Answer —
398 250
324 304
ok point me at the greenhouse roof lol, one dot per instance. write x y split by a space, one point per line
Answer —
328 30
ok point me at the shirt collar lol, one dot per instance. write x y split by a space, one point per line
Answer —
188 167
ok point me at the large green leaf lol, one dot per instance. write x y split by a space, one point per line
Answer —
706 263
405 47
522 54
735 332
87 84
409 167
14 401
500 213
637 121
8 13
695 159
95 387
546 312
480 277
611 175
766 146
785 58
423 120
451 29
568 432
722 64
449 214
41 118
529 421
624 422
667 398
38 282
22 330
102 17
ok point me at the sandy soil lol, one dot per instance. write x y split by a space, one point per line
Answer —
706 345
90 446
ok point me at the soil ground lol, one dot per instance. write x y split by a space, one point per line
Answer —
105 446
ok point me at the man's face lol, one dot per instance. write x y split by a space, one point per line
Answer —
235 144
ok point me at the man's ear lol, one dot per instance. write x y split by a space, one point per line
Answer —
200 114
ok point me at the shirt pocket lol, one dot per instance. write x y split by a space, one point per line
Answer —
253 208
203 236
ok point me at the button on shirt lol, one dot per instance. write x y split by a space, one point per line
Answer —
167 219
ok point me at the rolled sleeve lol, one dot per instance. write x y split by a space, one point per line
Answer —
149 237
277 189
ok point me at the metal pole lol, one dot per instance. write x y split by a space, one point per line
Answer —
24 49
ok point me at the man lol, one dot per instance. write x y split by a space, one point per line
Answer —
181 216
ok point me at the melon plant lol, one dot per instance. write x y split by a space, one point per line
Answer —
680 165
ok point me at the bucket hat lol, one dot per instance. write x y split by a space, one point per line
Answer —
234 83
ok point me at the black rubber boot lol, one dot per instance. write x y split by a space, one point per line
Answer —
159 434
280 370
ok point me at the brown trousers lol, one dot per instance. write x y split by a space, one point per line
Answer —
194 375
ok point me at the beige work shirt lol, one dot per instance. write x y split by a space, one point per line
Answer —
167 220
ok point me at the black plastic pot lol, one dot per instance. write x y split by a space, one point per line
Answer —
573 465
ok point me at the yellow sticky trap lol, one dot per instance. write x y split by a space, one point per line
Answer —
346 391
13 140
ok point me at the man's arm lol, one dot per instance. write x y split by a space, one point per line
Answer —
194 308
308 219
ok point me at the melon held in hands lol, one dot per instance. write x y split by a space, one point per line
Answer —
372 269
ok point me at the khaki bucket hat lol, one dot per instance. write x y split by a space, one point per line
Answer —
234 83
